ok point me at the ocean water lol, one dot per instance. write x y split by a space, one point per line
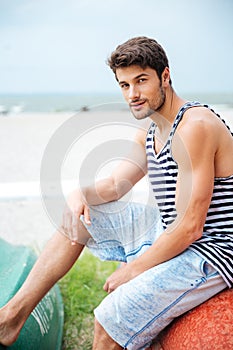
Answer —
60 102
88 101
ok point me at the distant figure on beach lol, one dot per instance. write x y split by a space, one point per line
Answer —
84 109
179 252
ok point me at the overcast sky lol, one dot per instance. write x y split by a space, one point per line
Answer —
62 45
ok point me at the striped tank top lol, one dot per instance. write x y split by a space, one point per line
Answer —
216 243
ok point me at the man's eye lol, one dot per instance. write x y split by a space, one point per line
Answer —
124 86
141 80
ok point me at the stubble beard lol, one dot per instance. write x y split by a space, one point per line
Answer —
154 108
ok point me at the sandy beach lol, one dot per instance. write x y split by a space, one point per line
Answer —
76 149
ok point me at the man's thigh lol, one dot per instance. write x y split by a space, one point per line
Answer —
135 313
122 231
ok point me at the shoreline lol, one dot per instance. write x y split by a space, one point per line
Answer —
76 101
110 108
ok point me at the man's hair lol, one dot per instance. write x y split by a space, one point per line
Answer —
140 51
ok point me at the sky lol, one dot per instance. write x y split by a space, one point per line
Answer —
61 46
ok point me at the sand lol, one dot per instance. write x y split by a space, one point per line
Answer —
23 138
26 139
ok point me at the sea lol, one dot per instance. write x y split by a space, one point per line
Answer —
58 102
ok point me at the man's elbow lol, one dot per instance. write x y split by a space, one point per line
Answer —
120 188
194 231
190 229
197 234
111 189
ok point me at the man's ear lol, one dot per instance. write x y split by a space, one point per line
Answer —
166 76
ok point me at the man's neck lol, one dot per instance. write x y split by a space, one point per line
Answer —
165 117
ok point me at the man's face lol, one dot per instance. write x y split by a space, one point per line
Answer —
141 89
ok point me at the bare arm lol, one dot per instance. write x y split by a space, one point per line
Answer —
194 151
123 178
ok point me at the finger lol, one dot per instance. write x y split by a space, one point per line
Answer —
87 217
65 222
63 229
69 226
105 287
67 218
74 228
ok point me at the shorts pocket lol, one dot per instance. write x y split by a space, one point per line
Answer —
207 270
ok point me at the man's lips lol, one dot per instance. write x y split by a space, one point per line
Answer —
137 104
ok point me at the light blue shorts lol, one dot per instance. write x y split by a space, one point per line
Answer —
135 313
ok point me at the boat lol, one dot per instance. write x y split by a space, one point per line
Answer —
44 327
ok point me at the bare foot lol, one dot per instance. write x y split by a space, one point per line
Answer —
9 327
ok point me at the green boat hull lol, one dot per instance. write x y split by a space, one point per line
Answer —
43 329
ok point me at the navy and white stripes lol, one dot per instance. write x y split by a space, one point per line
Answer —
216 244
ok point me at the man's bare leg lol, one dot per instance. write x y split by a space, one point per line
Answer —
102 341
54 262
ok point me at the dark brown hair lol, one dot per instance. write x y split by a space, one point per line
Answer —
141 51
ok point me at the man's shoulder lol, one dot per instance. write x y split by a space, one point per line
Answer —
199 113
199 127
200 119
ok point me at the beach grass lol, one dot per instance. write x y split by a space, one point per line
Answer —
82 290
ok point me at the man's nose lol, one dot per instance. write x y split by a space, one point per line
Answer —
133 93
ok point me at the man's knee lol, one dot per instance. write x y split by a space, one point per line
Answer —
98 329
102 340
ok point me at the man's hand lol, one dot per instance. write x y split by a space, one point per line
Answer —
120 276
71 224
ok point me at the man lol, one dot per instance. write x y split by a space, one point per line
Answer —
175 260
